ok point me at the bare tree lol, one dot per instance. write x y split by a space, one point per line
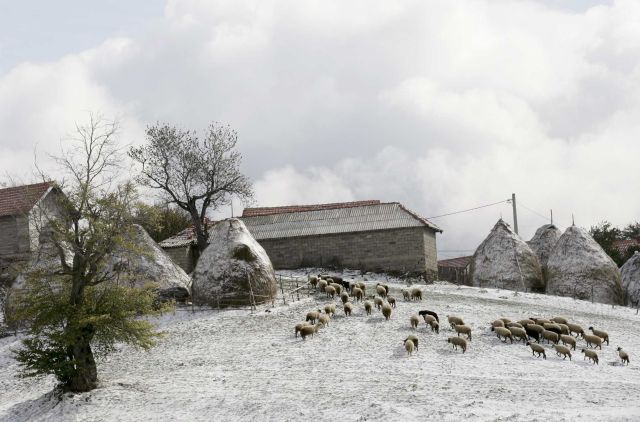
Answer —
196 174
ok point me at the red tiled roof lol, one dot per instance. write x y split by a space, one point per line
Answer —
623 245
254 212
21 199
460 262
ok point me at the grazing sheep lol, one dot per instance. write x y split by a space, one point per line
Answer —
550 336
505 320
344 297
575 328
324 320
386 311
519 333
563 328
602 334
435 326
298 327
367 307
497 323
330 309
458 341
414 320
322 284
362 287
357 293
386 288
427 312
336 286
536 348
525 322
405 294
391 301
313 281
414 339
562 351
592 355
504 332
312 316
534 331
514 324
567 339
308 330
408 346
429 318
463 329
416 293
560 320
348 308
593 340
330 291
382 292
624 356
378 302
454 320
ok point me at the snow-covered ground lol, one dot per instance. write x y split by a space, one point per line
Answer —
237 365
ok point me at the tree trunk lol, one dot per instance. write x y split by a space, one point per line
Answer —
199 228
85 376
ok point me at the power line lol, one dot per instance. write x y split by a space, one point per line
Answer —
546 218
470 209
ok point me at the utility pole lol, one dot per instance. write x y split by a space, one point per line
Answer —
515 213
551 216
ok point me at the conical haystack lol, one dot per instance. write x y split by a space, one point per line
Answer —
578 267
543 242
234 269
630 272
504 260
143 261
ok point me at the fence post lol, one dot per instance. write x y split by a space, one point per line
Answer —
297 291
284 301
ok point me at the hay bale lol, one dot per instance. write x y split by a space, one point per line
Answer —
630 273
578 267
233 265
504 260
543 242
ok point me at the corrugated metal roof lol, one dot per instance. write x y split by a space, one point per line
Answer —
253 212
331 221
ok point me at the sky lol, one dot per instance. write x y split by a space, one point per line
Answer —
440 105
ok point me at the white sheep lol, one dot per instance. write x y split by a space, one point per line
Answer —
330 309
550 336
536 348
568 339
330 291
560 320
562 351
458 341
308 330
382 292
503 332
348 308
454 320
592 355
575 328
357 293
519 333
416 293
463 329
429 318
405 294
298 327
435 326
386 311
408 346
414 320
593 340
312 316
602 334
378 302
624 356
344 297
367 307
336 286
324 320
414 339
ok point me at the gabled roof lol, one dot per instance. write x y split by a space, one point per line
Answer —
460 262
332 219
624 244
254 212
21 199
185 237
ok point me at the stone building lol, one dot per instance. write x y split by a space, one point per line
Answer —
182 247
364 235
23 213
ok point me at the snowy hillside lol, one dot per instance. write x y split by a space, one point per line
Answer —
233 365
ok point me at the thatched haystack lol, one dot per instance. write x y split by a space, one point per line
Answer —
504 260
543 243
578 267
630 273
233 268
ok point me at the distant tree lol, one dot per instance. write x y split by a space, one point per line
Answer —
196 174
73 308
160 220
631 231
606 234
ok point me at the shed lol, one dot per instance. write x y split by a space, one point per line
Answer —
365 235
455 270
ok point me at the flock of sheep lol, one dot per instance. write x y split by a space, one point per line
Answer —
554 330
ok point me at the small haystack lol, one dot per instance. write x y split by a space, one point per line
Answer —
504 260
630 272
578 267
543 242
234 270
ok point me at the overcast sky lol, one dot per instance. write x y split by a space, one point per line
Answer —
441 105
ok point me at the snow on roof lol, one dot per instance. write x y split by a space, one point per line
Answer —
349 219
185 237
459 262
254 212
21 199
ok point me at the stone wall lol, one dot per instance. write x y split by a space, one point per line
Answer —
396 250
182 256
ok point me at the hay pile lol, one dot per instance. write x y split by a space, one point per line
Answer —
543 242
233 266
504 260
578 267
630 272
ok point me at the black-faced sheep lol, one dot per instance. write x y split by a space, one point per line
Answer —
575 328
463 329
454 320
550 336
536 348
458 341
386 311
308 330
519 333
414 320
416 293
414 339
567 339
560 320
348 308
624 356
312 316
504 333
497 323
562 351
367 307
593 340
391 301
602 334
427 312
592 355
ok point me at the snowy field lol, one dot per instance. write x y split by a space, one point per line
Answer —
234 365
